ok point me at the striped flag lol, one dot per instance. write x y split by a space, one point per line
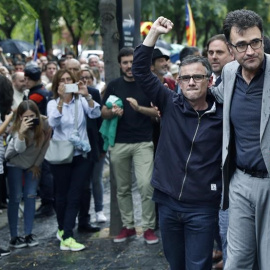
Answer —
190 26
39 47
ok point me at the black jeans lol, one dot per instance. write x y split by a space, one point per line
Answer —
84 216
46 184
69 181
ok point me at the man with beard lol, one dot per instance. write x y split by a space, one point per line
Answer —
133 145
160 68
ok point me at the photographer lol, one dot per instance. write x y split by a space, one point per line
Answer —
69 124
25 153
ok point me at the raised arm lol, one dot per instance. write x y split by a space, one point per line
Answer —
160 26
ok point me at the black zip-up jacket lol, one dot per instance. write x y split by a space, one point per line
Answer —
188 158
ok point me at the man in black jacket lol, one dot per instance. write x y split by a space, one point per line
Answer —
187 174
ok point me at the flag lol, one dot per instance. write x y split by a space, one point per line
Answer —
190 26
145 28
39 47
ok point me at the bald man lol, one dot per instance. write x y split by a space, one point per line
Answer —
93 125
18 82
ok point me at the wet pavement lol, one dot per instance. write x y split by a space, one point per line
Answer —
100 253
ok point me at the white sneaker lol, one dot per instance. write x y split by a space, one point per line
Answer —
100 217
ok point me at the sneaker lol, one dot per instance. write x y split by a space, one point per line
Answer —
100 217
4 252
17 242
71 244
60 234
150 237
31 240
124 234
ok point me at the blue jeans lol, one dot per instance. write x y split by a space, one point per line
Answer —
223 228
16 190
97 184
69 182
187 238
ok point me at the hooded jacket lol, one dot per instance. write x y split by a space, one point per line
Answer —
188 159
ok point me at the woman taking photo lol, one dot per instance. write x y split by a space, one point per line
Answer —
24 155
69 178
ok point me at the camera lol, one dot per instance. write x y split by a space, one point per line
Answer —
71 88
35 121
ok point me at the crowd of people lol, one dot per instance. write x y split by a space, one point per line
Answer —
193 134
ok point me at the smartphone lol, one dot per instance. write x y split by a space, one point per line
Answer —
71 88
35 121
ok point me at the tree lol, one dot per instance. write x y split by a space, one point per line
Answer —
110 44
78 15
11 12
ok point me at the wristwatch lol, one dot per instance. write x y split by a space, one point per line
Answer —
88 97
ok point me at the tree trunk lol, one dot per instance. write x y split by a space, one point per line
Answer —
110 45
45 20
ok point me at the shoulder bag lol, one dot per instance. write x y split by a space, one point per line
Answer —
61 152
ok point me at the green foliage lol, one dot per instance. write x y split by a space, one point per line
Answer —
11 12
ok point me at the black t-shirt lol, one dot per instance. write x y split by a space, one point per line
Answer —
133 127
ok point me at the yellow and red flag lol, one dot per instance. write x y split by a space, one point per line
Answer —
190 26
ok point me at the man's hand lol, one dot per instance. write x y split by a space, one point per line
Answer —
117 111
133 103
160 26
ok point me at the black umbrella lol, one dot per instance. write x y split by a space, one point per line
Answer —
15 46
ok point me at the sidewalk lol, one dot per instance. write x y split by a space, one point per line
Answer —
100 253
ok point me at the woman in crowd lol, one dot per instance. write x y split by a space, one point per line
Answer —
69 178
87 76
24 155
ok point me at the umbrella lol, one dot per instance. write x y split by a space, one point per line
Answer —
163 44
15 46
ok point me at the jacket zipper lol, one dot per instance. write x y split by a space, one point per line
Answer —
212 110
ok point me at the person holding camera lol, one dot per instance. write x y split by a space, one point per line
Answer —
67 116
24 155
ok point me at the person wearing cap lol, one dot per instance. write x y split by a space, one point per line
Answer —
40 95
37 92
160 67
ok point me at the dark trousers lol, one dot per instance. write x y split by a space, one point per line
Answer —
69 180
187 238
46 185
84 216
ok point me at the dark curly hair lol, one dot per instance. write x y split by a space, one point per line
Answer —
242 19
6 94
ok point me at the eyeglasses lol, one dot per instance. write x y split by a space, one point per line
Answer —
196 78
86 78
242 47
